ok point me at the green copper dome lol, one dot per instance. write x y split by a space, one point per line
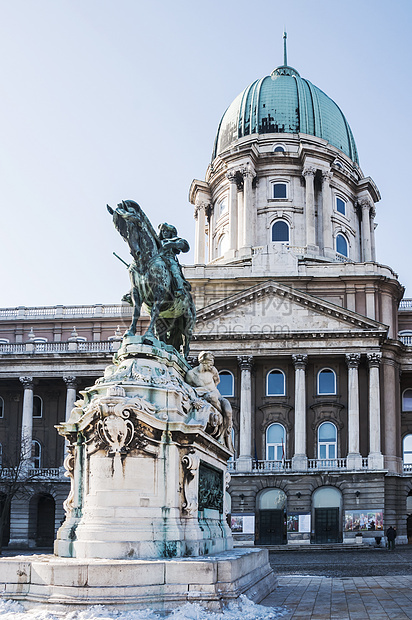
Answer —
285 103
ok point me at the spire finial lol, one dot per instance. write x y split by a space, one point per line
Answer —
285 54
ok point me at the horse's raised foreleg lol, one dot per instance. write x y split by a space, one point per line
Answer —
137 304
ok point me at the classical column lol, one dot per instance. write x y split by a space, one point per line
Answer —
327 213
391 415
71 394
27 420
375 458
244 462
372 221
231 176
309 174
249 213
200 217
300 459
354 459
365 206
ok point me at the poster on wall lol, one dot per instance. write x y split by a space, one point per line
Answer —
363 520
304 523
298 522
243 524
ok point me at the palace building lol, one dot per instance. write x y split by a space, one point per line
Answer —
311 336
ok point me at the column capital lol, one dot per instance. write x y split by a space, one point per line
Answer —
374 359
364 203
201 205
309 171
70 381
327 176
232 176
247 171
300 361
28 382
352 360
245 362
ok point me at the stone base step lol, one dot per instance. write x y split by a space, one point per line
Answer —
160 584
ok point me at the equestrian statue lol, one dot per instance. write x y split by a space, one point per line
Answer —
156 277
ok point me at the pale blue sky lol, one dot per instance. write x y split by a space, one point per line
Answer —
108 100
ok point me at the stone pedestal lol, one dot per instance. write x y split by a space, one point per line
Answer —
147 463
146 519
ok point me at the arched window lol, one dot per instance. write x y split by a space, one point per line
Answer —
280 232
407 450
4 341
1 407
279 148
327 441
272 499
326 381
275 383
279 190
407 400
223 244
226 385
37 407
340 206
342 245
36 454
275 443
222 207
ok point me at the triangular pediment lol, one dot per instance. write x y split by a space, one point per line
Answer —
273 308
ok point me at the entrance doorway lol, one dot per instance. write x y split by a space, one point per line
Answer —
271 518
41 519
326 525
6 520
409 517
45 521
326 503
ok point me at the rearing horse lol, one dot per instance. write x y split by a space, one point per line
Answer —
156 277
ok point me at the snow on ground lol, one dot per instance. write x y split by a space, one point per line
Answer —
244 609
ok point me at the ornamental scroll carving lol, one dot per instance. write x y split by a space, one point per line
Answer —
190 465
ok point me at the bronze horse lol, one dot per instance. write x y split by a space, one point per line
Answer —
156 277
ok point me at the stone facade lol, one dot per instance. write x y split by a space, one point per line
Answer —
310 334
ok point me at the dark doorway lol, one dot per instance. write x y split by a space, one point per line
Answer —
45 521
326 525
6 527
272 530
409 529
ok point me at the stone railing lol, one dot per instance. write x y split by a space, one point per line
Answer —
326 464
407 468
106 346
45 473
58 312
314 465
406 340
405 304
268 466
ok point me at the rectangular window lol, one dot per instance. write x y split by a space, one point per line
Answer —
340 206
279 190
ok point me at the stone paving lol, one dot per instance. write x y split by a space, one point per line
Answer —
348 598
339 585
